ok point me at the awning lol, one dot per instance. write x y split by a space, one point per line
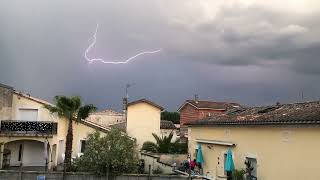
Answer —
216 142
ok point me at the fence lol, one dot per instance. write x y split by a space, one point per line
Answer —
32 175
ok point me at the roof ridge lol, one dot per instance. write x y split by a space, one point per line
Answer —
229 102
146 101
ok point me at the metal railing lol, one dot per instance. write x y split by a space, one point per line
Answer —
28 127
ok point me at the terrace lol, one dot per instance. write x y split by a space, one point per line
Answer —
29 128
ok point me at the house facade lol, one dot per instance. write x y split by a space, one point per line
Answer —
106 117
143 119
192 110
279 141
32 137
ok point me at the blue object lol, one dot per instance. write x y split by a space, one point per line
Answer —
41 177
199 158
229 165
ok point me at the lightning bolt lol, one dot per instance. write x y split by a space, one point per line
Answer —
92 60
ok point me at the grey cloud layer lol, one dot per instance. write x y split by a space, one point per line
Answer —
253 54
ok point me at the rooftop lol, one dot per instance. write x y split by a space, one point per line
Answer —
28 96
5 86
199 104
146 101
108 112
280 114
164 124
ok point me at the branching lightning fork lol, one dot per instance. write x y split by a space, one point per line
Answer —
91 60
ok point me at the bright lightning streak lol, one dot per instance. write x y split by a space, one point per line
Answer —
111 62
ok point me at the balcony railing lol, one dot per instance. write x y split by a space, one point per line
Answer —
28 127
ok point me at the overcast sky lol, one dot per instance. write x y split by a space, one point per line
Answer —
248 51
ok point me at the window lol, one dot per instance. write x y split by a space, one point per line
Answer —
82 146
253 164
28 114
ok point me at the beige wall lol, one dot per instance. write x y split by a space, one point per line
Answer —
143 120
281 152
20 102
80 132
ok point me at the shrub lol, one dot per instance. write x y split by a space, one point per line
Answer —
114 153
157 171
238 174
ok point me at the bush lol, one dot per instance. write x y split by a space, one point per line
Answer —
157 171
238 174
114 153
150 147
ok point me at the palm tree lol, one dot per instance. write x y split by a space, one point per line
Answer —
162 145
70 108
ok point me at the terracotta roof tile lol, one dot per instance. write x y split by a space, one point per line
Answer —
210 105
164 124
296 113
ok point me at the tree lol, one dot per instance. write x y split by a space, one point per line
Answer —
171 116
164 145
70 108
114 153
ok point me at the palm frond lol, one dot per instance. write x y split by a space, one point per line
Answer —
64 103
157 138
84 111
53 109
76 101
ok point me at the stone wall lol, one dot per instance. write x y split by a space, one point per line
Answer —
32 175
154 163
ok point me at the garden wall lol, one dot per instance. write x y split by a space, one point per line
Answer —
154 163
162 161
32 175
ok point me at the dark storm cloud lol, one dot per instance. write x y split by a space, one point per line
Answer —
250 53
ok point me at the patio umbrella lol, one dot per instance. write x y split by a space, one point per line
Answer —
229 165
199 158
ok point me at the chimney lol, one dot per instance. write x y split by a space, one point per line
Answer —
125 112
196 98
124 104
